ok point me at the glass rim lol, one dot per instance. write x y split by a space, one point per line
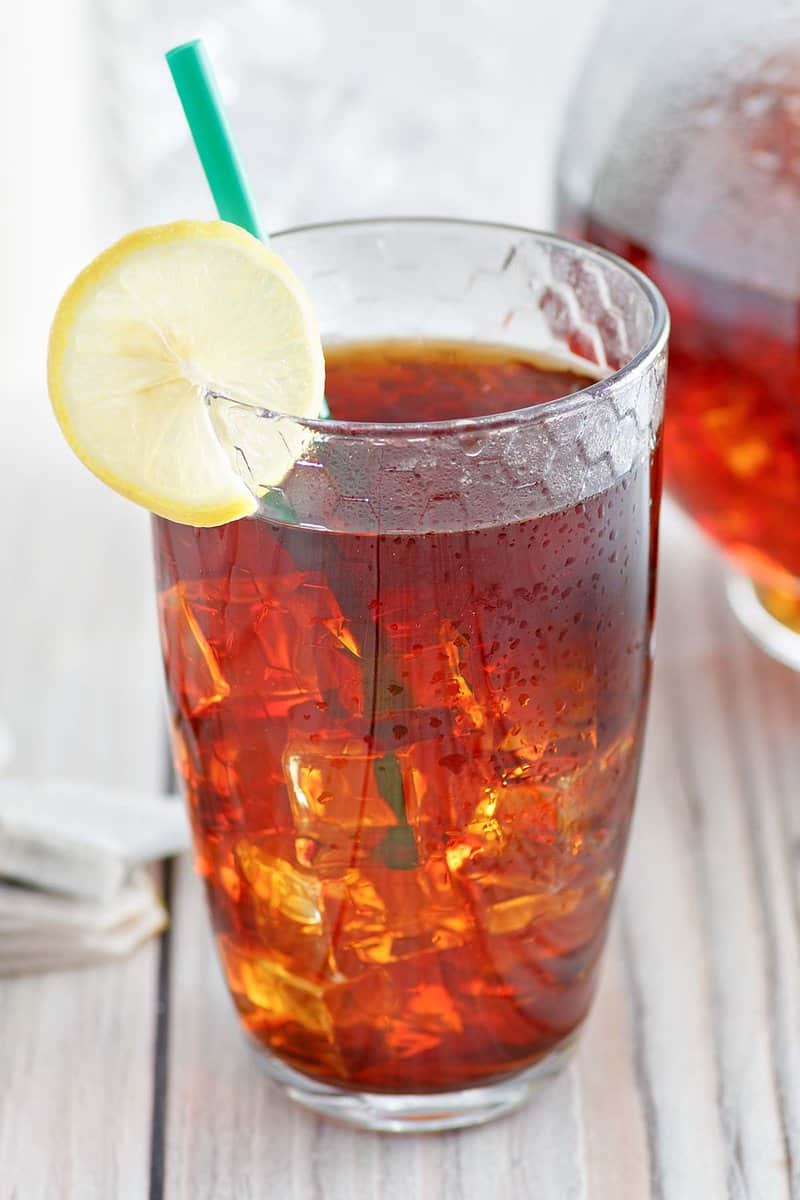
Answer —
636 365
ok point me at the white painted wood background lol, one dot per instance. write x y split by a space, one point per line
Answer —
687 1082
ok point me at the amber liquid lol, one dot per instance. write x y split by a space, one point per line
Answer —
410 760
732 433
732 436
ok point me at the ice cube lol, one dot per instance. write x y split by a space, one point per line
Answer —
552 991
287 906
519 862
281 1005
358 915
450 778
281 994
568 943
550 729
463 670
517 912
286 642
328 1019
426 1007
597 801
573 733
433 667
515 859
538 862
277 639
348 803
392 1011
386 916
280 886
365 1001
193 669
333 783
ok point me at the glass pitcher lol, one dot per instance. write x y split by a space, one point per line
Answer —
682 153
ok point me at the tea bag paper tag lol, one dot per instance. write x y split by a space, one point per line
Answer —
83 840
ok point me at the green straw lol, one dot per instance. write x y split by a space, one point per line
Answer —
197 88
194 80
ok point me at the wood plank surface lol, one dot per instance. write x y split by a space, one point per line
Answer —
686 1083
79 685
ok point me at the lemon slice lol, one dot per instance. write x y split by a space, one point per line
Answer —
149 329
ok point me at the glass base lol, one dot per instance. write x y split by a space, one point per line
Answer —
413 1113
780 641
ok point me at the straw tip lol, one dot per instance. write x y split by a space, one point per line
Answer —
193 48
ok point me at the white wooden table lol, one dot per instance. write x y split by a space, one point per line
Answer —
132 1081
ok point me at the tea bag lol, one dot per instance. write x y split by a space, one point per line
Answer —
40 931
74 889
81 839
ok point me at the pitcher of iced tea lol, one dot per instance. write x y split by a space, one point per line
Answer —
684 157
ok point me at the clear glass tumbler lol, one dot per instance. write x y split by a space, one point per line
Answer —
408 694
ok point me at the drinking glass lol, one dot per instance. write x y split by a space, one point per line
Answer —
408 693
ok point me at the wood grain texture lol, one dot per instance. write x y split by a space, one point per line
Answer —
615 1122
80 688
686 1083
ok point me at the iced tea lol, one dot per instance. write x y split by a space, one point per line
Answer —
719 241
732 434
410 757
